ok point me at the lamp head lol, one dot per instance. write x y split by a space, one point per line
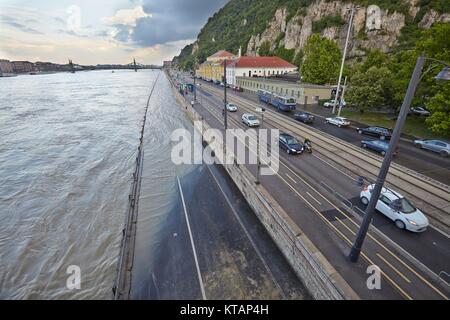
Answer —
444 74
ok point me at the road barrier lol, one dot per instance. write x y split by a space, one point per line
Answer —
122 285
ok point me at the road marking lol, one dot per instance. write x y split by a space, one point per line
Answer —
246 232
329 223
291 178
370 236
309 194
202 288
393 268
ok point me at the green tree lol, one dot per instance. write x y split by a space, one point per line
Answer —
371 89
439 104
321 62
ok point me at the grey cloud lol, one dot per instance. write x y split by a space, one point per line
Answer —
15 24
171 20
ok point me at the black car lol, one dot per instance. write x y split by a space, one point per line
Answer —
304 117
380 132
290 144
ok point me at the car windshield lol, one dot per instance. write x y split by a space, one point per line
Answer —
253 118
290 100
403 205
291 141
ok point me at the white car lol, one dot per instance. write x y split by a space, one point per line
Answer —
231 107
330 104
338 121
250 120
420 111
397 208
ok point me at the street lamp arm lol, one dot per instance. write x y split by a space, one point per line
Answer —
433 66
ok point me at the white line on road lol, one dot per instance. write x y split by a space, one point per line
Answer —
202 288
293 180
309 194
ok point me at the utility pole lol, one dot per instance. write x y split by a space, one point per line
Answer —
225 92
342 97
258 158
195 89
343 59
357 245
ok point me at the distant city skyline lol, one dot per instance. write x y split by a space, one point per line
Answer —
100 32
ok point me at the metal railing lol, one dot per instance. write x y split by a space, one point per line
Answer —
121 288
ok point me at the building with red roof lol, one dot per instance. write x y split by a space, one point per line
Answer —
257 67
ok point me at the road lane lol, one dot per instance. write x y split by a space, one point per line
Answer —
217 108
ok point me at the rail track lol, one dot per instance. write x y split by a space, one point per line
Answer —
430 195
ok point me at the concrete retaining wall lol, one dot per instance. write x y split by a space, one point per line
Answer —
318 275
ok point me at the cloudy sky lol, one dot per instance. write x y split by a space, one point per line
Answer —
100 31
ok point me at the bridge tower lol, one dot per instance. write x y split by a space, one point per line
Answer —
134 63
72 69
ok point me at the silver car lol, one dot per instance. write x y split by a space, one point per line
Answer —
438 146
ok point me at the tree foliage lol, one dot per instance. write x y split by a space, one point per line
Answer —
371 89
321 60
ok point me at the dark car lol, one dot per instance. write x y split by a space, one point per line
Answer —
304 117
377 146
290 144
379 132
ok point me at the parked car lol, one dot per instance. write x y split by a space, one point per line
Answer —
290 144
379 132
231 107
250 120
397 208
338 121
330 103
420 111
441 147
379 146
304 117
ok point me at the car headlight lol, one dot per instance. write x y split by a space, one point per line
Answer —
412 222
294 150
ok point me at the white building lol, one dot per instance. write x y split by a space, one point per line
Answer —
257 67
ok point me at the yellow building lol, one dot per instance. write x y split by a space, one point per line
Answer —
212 68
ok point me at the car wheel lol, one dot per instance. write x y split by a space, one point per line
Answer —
400 224
382 137
444 153
418 145
383 153
364 145
288 151
364 201
339 125
326 121
360 131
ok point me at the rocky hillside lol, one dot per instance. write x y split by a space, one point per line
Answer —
281 27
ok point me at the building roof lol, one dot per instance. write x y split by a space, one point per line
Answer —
262 62
222 54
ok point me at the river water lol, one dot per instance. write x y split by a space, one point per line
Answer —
67 149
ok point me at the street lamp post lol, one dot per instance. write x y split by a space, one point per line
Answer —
342 97
225 93
343 59
258 159
375 195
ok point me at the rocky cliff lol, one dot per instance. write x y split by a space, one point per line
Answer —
372 27
287 24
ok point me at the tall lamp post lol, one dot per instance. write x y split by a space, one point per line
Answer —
258 159
225 93
415 79
352 14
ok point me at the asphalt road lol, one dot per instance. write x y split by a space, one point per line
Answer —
298 189
425 162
